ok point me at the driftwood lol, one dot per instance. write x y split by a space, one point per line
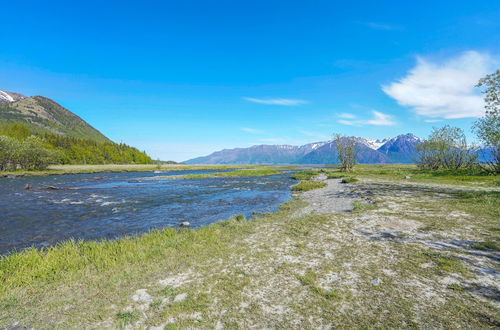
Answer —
57 188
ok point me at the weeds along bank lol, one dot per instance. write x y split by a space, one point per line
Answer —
418 256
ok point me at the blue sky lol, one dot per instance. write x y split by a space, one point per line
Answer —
181 79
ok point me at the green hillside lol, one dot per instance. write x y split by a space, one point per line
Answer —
36 131
42 115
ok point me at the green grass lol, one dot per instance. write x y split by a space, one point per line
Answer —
335 175
125 318
359 207
305 175
237 173
349 179
486 246
314 262
308 185
399 172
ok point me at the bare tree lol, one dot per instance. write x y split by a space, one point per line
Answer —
346 150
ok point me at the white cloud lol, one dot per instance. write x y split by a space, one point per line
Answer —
444 90
251 130
379 119
279 101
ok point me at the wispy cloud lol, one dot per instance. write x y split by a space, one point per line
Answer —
278 101
379 119
346 122
252 130
380 26
443 90
346 115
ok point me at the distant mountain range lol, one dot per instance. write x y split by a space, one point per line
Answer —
42 115
398 150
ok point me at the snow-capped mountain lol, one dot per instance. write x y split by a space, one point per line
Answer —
7 97
400 149
375 144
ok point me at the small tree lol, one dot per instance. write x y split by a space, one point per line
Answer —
447 148
34 156
487 128
9 148
346 150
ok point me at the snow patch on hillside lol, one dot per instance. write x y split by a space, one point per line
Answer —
5 97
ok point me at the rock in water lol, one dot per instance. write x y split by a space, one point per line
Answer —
184 224
27 187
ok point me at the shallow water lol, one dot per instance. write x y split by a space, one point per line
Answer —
110 205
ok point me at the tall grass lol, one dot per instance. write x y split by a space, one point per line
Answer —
50 264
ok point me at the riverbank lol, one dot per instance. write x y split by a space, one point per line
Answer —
88 169
409 254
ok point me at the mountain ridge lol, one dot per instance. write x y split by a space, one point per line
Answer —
399 149
43 115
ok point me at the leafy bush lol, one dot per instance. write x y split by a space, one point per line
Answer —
30 154
8 152
445 148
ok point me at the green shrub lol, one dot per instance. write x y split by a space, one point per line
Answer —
349 179
305 175
308 185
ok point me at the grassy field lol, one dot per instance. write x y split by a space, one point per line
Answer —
415 253
474 177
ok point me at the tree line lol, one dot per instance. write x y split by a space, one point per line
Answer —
20 149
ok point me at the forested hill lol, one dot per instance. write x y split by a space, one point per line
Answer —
65 137
43 115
